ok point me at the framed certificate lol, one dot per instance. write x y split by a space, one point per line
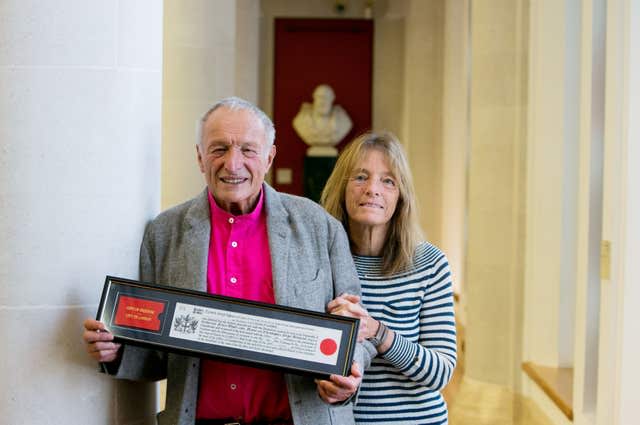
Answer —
199 324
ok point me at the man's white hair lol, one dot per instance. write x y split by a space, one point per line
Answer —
237 104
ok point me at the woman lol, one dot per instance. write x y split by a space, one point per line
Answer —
406 285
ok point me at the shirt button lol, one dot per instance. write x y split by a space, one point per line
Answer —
233 386
234 244
231 220
233 280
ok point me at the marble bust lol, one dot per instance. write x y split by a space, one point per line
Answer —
321 124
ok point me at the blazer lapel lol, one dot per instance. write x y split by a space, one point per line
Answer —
196 244
279 232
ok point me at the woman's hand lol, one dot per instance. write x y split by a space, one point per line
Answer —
349 305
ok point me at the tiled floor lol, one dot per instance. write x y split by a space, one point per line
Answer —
479 403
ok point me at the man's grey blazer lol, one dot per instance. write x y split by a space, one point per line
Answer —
311 264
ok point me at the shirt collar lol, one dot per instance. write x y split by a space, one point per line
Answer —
218 213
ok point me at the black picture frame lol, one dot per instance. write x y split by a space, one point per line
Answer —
199 324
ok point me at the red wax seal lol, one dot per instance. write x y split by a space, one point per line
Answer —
328 346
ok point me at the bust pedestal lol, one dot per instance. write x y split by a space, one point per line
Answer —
316 172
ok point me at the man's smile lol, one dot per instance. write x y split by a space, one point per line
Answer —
233 179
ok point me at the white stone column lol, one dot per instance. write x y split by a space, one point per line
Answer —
80 93
422 109
455 139
618 315
629 292
496 191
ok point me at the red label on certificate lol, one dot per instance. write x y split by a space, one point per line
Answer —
139 313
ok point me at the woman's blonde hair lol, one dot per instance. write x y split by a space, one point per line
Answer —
404 232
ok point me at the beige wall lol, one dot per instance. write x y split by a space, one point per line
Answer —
388 68
210 51
622 214
455 138
422 118
496 200
552 186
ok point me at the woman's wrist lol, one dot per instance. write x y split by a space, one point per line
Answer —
380 335
372 327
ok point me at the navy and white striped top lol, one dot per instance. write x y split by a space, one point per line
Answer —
402 386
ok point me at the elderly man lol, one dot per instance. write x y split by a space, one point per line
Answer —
241 238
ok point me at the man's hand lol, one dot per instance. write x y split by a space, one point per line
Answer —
99 341
349 305
339 388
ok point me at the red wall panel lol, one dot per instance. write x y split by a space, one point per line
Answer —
309 52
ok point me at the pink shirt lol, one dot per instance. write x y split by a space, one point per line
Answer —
240 266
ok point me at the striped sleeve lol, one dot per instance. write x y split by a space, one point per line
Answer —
431 359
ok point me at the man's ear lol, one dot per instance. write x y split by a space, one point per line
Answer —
199 157
272 154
